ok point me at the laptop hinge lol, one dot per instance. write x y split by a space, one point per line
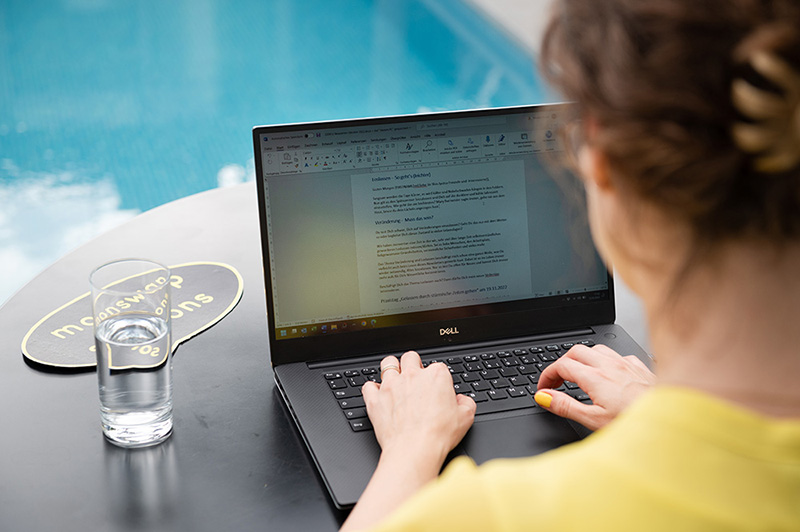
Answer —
446 349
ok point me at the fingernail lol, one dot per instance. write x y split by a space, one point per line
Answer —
543 398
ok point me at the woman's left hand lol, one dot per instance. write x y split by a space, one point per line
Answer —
415 409
418 419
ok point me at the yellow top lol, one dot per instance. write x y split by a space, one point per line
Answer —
675 460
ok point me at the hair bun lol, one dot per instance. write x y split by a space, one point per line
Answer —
773 133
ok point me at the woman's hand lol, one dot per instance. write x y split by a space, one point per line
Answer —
612 381
416 408
418 419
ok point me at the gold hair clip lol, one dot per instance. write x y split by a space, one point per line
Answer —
774 133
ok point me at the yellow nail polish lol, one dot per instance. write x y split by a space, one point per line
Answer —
543 398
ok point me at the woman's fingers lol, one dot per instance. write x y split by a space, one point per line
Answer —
413 404
410 361
565 369
612 382
561 404
591 356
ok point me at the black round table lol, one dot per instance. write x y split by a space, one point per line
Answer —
235 460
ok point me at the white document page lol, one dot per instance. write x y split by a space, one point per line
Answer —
441 237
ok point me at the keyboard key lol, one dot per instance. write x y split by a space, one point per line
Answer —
352 373
456 368
516 392
337 384
479 397
567 345
552 347
536 350
470 377
357 381
480 386
589 343
534 378
347 393
355 413
548 357
360 425
499 383
487 356
353 402
492 364
454 360
473 366
571 385
519 352
456 378
462 388
471 358
527 370
489 374
505 354
518 381
497 395
510 403
508 372
332 376
579 394
369 371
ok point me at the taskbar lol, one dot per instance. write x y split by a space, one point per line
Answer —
561 297
332 327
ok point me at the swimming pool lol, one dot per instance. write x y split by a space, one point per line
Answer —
110 108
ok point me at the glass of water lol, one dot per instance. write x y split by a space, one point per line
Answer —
131 310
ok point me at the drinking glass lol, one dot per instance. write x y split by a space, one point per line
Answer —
131 311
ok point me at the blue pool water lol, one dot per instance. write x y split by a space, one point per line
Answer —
112 107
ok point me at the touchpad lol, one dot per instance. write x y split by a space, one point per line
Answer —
517 437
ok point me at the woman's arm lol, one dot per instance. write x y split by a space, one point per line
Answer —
418 419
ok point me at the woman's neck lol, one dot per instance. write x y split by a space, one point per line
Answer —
731 328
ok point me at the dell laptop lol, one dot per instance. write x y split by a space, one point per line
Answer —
454 234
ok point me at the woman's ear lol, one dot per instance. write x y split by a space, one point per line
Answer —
593 165
592 162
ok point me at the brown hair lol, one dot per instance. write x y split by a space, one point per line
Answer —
658 77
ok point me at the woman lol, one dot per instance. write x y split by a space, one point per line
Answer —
689 149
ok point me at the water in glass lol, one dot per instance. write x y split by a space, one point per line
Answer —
135 377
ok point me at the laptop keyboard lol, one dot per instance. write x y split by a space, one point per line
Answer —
498 381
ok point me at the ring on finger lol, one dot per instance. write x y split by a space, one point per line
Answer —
388 367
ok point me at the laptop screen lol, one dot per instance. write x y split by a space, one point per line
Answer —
389 222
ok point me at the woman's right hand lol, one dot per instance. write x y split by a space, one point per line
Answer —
611 380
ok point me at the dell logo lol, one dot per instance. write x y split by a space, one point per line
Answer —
448 331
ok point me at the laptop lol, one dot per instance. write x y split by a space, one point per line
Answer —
453 234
